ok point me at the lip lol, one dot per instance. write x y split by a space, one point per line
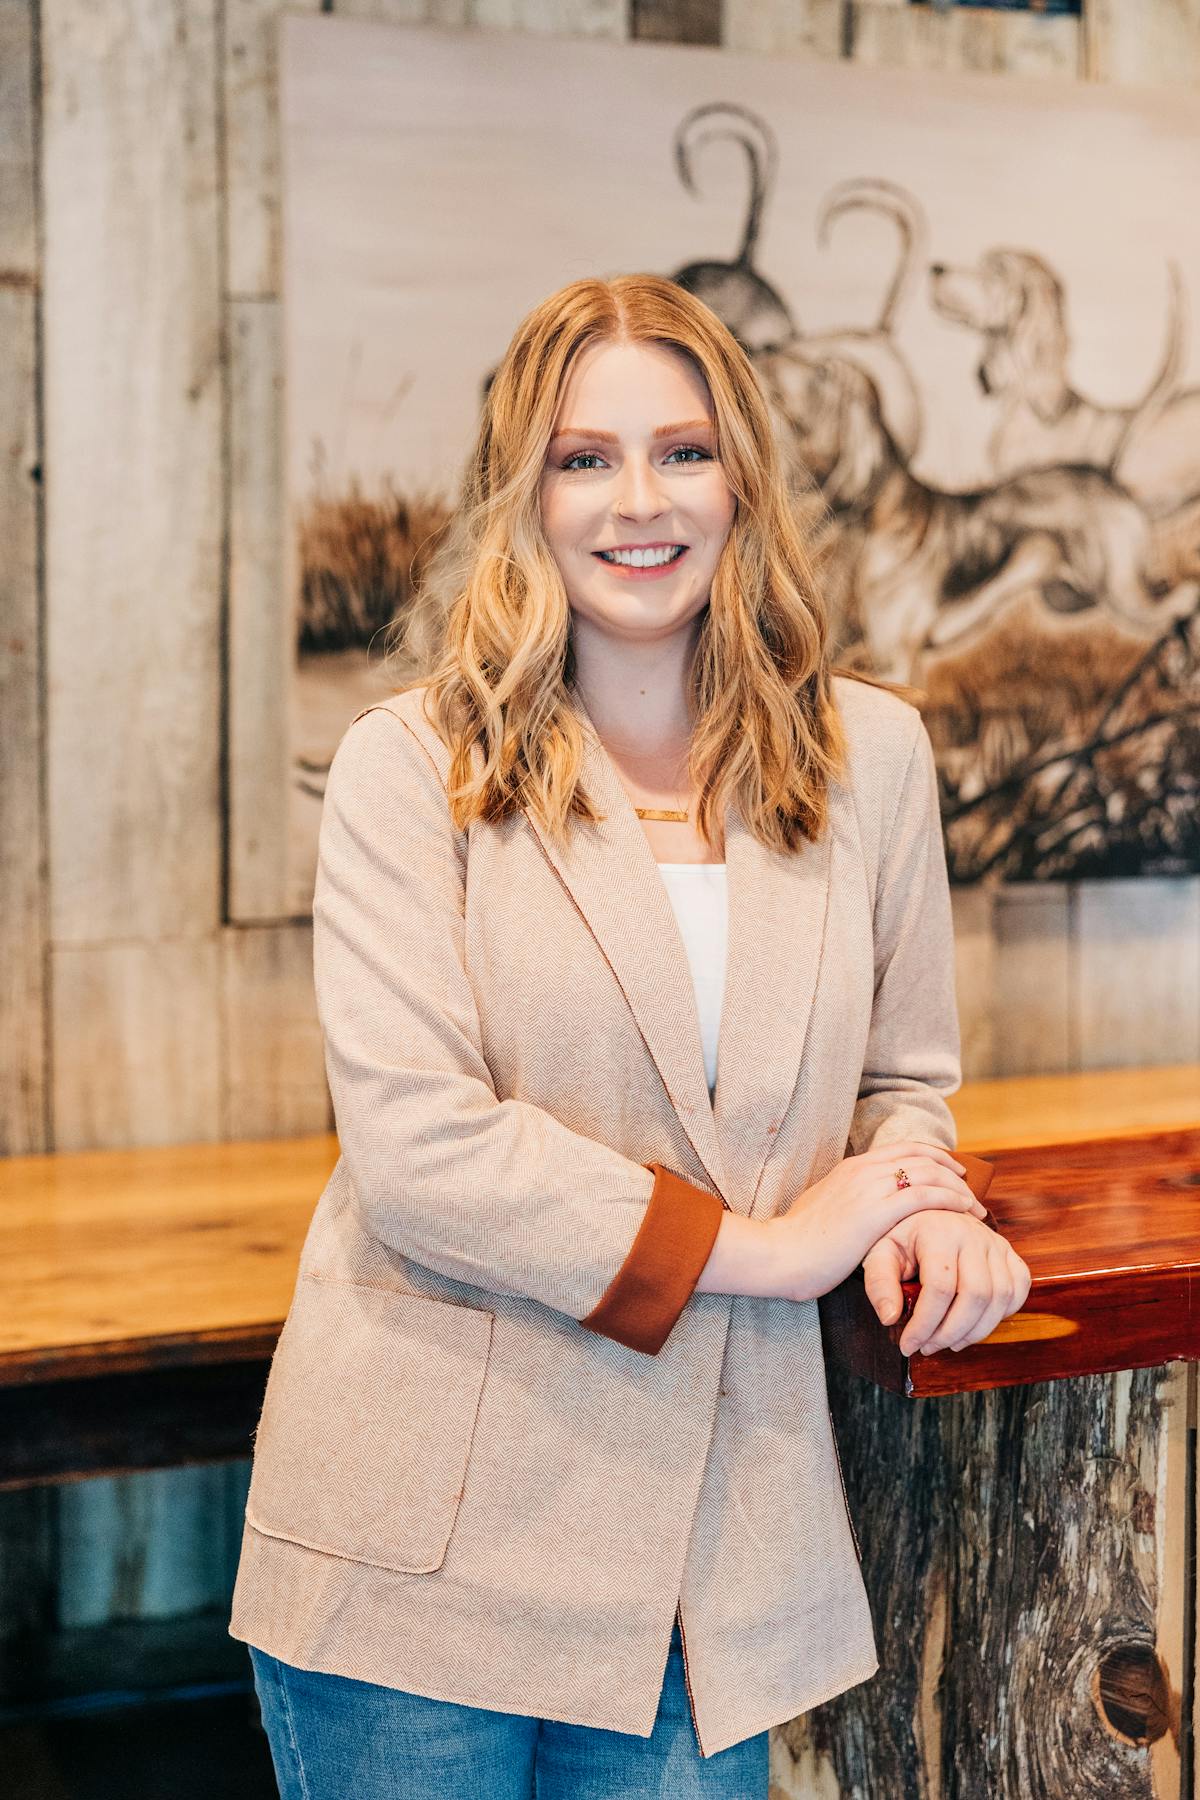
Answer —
624 572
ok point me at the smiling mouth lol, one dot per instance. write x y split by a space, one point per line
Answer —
651 559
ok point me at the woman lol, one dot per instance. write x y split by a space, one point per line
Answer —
545 1489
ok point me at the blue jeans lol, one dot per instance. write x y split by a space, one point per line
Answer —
331 1737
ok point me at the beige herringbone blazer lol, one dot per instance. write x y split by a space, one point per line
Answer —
459 1487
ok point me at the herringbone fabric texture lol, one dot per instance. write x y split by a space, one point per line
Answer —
460 1490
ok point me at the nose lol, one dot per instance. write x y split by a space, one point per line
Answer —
640 494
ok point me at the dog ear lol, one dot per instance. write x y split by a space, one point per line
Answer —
1039 342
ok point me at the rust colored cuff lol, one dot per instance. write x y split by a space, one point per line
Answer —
978 1178
655 1282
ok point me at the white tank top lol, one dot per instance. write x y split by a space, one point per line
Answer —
699 896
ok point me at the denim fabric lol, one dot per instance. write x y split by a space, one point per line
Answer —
331 1737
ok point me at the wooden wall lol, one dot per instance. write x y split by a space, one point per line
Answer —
152 989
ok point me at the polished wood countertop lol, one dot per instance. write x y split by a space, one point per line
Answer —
152 1259
1097 1187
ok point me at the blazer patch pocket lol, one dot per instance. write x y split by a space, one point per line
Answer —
367 1421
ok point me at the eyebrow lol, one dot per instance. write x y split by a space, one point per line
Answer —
610 437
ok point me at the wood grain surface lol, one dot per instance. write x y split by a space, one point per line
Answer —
125 1259
131 1259
1110 1229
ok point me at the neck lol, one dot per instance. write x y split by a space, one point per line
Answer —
636 695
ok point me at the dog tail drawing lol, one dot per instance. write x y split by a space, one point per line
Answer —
890 201
731 123
1165 382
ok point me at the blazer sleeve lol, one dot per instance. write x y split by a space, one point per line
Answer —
499 1193
913 1051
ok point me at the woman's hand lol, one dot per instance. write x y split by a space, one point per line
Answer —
835 1222
970 1276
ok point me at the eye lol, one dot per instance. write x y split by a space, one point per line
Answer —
572 460
693 449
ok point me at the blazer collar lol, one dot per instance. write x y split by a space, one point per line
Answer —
777 912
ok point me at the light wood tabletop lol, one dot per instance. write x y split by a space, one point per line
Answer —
151 1258
127 1258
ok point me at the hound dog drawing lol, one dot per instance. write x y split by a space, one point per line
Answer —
1017 304
934 567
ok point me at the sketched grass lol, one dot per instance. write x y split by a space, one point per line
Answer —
360 562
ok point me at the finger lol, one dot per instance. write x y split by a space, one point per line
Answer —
999 1307
922 1171
974 1300
939 1284
881 1272
918 1196
896 1152
1022 1278
948 1182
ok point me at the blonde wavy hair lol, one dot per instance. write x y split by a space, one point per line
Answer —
489 628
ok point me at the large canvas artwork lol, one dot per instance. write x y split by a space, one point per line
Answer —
971 302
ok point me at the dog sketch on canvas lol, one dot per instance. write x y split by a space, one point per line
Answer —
991 427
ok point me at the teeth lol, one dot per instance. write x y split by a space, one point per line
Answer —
643 559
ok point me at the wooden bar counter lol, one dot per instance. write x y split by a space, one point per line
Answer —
142 1291
1025 1509
1105 1209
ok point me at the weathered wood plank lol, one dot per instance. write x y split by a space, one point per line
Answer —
132 1420
1160 1515
986 40
565 18
262 634
273 1065
133 408
1157 42
134 427
1019 1613
136 1032
27 1582
675 21
23 1048
26 1519
18 196
1032 994
767 28
975 976
250 145
1136 973
454 13
166 1524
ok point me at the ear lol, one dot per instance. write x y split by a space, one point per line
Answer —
1040 346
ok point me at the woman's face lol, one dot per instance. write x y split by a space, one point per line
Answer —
611 483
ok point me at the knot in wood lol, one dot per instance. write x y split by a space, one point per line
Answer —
1132 1693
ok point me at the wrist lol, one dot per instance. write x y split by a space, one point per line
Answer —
743 1259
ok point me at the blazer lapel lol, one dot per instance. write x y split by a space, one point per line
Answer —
777 907
610 872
